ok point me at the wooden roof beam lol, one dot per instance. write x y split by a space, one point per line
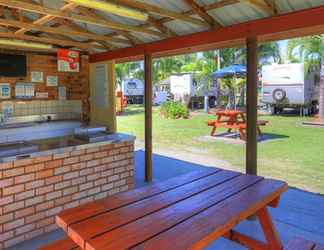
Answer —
78 18
203 14
59 42
161 27
58 31
159 11
260 5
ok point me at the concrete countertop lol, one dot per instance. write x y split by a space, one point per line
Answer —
59 145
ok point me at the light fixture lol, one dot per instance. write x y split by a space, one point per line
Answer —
112 8
20 43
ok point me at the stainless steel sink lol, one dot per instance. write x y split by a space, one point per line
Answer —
17 148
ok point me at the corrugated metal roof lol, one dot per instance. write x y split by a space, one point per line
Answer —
227 15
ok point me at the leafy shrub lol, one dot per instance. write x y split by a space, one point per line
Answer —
174 110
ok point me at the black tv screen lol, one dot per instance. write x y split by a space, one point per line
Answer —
13 65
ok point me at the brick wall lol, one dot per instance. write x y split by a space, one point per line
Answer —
77 84
34 190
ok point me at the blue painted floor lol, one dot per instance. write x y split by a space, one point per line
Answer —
299 214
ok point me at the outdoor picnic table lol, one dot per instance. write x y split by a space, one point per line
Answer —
186 212
232 119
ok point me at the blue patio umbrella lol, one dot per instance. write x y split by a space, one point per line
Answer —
234 70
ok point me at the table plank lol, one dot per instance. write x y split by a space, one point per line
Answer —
100 224
299 244
75 215
202 229
149 226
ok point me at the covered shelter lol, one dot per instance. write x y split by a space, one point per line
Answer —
117 31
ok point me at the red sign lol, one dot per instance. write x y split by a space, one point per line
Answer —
68 60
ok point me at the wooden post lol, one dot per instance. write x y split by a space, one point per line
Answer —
251 106
148 116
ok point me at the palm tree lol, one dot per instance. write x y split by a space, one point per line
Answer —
310 50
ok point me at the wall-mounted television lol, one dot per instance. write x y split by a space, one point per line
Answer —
13 65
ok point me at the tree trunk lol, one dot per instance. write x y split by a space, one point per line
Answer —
321 93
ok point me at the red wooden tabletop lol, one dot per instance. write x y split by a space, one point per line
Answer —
189 211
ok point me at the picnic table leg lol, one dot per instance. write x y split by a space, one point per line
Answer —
269 230
212 133
242 134
259 130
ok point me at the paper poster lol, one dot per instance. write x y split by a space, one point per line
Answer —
24 90
62 93
68 60
7 108
51 81
37 76
41 95
5 91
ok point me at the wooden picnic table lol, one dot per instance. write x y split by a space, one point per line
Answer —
186 212
232 119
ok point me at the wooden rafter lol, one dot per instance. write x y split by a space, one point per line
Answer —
261 5
159 11
202 13
84 46
272 4
88 12
78 18
59 31
160 26
47 18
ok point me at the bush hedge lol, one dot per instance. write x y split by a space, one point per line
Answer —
174 110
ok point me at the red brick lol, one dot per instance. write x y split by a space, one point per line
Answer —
63 200
92 163
35 217
86 171
6 218
93 191
34 184
6 182
24 195
53 164
53 179
71 175
42 159
93 177
86 186
78 166
54 211
6 165
70 160
13 224
78 181
101 154
45 222
23 162
86 157
34 167
45 173
24 212
107 159
34 233
62 185
44 190
78 152
13 189
92 150
70 190
45 206
14 241
13 207
6 235
62 170
13 172
25 229
6 200
71 204
53 195
24 178
61 156
101 181
35 200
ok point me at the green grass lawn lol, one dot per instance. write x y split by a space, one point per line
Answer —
297 158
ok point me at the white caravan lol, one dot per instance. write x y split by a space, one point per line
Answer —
287 86
133 89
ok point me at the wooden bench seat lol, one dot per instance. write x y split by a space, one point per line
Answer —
64 244
298 243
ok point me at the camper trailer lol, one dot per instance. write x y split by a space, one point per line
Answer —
133 90
184 88
288 86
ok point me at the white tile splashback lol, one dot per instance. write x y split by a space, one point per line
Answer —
25 108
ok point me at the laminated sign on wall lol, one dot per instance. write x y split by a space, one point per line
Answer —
68 60
5 92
